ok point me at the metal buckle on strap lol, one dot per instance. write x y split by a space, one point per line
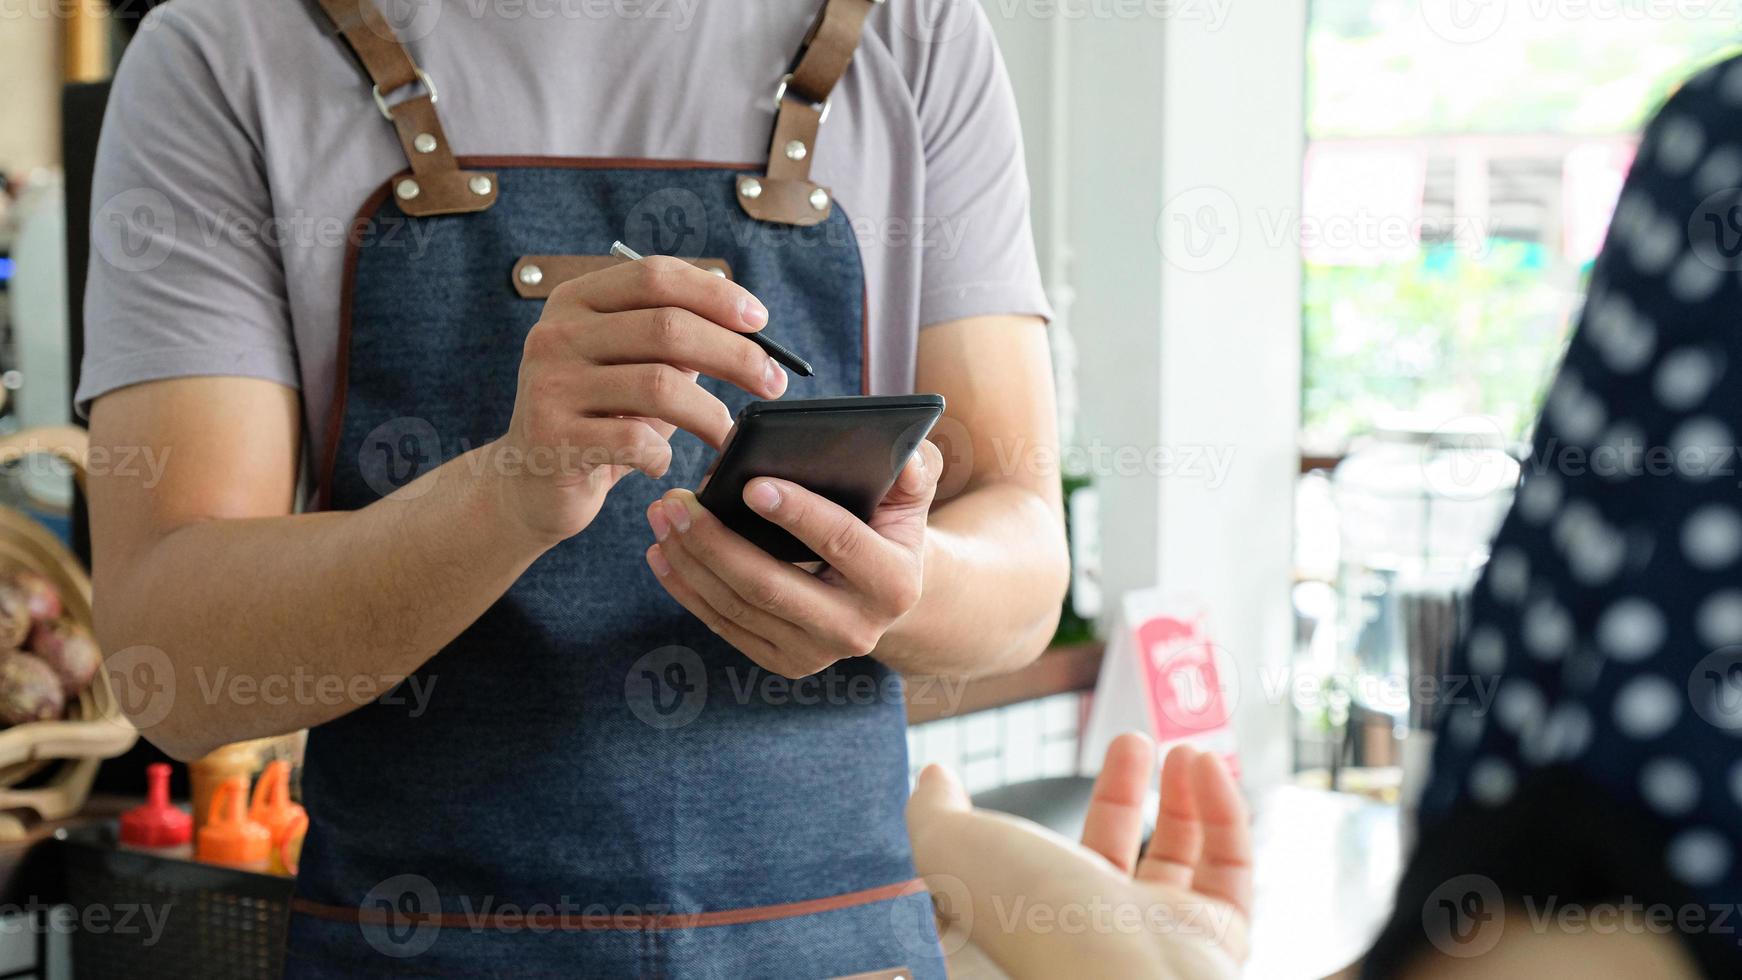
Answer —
780 96
381 100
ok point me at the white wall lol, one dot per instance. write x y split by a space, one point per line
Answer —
1149 126
1230 361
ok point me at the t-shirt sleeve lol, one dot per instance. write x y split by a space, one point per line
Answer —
185 277
979 259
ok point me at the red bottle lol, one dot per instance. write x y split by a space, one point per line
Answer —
159 826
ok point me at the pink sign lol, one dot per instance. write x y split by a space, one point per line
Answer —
1185 686
1163 675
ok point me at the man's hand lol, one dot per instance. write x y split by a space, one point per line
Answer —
1189 895
789 620
609 371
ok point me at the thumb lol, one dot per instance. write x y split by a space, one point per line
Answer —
918 479
936 792
901 516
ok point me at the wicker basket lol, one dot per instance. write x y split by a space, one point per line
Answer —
94 727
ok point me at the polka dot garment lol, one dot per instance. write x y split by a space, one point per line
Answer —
1608 624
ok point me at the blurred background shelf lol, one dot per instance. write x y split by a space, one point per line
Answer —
1060 670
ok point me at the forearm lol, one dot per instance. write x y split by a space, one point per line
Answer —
991 864
273 624
996 568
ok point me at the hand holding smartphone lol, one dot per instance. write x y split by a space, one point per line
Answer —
848 450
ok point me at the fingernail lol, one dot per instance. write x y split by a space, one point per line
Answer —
656 561
762 497
773 379
656 519
678 514
753 313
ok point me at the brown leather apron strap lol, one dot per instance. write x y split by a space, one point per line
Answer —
785 193
828 49
436 184
372 40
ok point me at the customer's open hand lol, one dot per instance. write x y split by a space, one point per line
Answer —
1043 906
785 618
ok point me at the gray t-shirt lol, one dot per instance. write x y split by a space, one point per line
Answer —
241 140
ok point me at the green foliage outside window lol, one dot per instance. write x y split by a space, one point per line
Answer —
1449 333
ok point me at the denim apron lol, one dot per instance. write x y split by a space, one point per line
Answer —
587 782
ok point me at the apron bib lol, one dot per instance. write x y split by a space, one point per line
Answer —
588 782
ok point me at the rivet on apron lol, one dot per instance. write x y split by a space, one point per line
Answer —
424 143
532 275
406 189
479 185
751 188
819 199
795 150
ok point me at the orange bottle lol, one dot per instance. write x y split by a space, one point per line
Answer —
273 810
287 852
206 774
229 837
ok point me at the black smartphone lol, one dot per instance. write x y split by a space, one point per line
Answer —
849 450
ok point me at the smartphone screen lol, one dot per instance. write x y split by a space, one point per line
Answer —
849 450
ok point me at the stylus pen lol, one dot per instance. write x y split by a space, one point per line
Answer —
788 359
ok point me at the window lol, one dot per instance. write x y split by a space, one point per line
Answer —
1463 160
